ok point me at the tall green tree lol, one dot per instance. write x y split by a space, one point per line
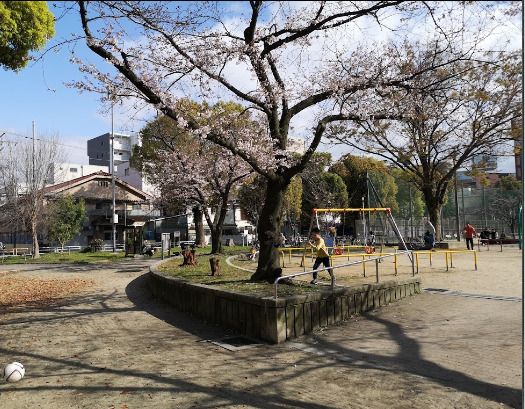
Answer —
25 26
409 199
353 170
66 216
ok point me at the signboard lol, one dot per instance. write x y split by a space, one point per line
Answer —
165 241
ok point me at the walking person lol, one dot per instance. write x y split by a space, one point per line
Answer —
469 232
322 253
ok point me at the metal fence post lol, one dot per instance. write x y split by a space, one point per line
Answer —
413 269
377 270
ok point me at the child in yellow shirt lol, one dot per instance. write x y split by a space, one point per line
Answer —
322 253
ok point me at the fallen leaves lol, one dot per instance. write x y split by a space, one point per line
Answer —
20 291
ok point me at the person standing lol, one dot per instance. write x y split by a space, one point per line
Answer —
469 232
322 253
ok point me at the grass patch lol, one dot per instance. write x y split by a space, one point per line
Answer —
231 278
61 258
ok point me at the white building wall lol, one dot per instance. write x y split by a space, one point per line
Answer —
64 172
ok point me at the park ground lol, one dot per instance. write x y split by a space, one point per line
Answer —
104 343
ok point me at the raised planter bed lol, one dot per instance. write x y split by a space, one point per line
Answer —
275 320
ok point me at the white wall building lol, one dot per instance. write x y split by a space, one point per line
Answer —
64 172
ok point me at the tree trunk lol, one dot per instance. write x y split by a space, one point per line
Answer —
216 240
200 238
215 266
36 248
434 205
268 268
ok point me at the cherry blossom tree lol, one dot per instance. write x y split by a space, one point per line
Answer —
194 172
300 66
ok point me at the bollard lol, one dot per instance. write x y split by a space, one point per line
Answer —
412 260
446 259
475 260
501 245
451 266
430 257
417 263
290 256
395 262
364 266
377 270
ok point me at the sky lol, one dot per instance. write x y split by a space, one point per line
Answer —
38 93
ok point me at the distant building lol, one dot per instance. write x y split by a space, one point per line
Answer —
131 205
128 174
63 172
182 227
486 162
99 149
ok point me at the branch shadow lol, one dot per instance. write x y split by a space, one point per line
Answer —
410 360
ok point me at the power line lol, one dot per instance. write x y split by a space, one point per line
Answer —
40 140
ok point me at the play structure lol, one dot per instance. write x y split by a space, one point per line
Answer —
327 219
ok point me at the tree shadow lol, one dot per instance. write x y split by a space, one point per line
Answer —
409 360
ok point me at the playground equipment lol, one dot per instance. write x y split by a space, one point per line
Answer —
369 247
363 259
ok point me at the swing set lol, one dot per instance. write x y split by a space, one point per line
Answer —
368 239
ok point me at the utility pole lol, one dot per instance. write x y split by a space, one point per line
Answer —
112 164
33 157
410 211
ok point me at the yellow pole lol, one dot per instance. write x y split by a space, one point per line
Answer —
395 262
430 257
417 263
446 259
281 253
364 266
475 260
451 260
290 256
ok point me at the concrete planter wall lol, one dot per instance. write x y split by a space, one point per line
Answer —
274 320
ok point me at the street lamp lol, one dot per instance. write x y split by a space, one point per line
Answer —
112 169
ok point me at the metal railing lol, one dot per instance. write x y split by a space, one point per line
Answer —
332 273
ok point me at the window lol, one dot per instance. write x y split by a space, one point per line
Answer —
126 172
73 170
103 183
137 207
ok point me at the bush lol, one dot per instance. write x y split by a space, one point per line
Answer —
96 244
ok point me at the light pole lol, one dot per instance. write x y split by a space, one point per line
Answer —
112 165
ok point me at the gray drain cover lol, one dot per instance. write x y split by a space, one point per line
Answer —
236 343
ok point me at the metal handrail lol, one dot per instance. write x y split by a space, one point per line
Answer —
332 275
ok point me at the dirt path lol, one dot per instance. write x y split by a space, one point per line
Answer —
114 347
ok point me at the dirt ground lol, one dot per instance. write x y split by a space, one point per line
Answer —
112 346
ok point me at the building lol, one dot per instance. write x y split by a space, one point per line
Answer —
131 204
99 149
485 162
182 227
124 171
64 172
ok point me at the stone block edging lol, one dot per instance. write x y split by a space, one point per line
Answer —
270 319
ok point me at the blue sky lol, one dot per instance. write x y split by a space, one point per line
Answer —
39 93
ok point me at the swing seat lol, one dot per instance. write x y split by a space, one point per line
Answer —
370 249
338 251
